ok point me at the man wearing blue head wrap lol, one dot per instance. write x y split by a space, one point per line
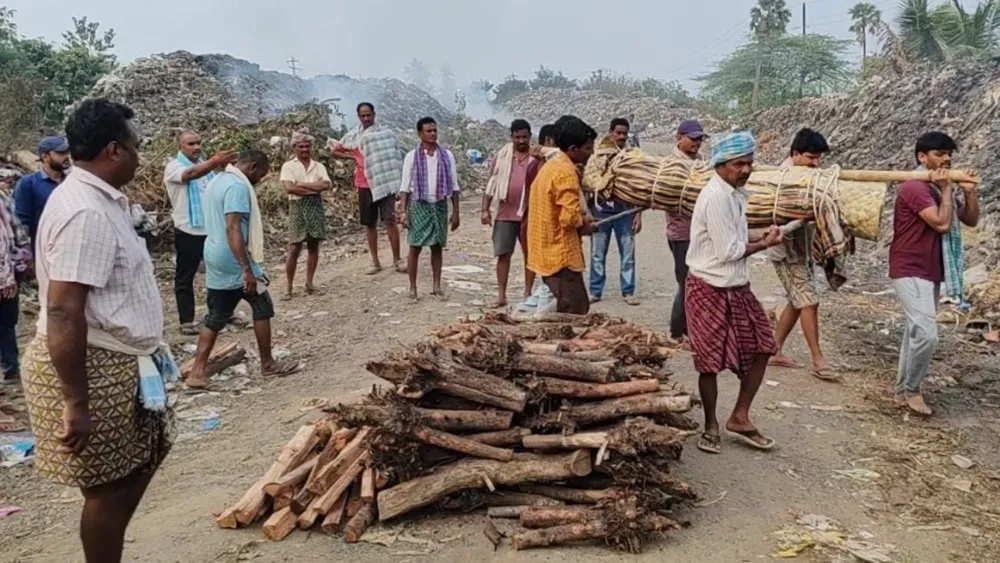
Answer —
727 326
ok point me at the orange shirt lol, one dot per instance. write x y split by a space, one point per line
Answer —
554 215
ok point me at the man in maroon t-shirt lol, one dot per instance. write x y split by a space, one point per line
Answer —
924 212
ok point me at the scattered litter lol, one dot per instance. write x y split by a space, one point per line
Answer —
771 383
889 291
17 453
453 305
705 503
396 322
384 315
477 303
963 485
962 462
463 285
789 405
826 408
6 511
298 317
189 348
934 528
992 336
859 474
282 354
818 523
463 269
386 538
399 290
867 552
318 314
211 424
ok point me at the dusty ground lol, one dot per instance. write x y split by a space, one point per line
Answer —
821 429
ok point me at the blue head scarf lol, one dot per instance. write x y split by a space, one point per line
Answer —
732 145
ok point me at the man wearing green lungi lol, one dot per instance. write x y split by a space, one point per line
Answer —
430 179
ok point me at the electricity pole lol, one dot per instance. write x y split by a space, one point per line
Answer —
293 64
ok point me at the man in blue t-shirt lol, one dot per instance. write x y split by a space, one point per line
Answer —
233 252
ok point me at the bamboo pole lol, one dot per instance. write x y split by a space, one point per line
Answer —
961 176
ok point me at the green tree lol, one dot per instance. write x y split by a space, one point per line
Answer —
768 20
86 35
866 19
918 34
547 78
779 72
968 33
507 90
418 74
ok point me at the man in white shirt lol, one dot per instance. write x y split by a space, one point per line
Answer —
727 326
185 178
305 180
430 179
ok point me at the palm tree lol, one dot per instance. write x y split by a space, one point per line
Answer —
768 19
968 33
920 36
867 19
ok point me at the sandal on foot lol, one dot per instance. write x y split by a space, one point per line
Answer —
631 300
400 266
916 405
498 304
372 270
825 373
287 297
710 443
315 291
439 295
238 322
783 362
189 329
281 368
595 299
747 437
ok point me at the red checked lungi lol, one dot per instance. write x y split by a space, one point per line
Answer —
727 327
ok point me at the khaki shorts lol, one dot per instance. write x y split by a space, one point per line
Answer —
799 282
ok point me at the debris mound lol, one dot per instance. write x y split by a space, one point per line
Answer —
654 117
565 425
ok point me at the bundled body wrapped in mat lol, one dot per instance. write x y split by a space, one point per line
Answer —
840 208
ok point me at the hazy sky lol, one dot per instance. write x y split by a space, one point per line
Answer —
669 39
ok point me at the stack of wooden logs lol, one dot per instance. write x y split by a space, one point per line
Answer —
566 424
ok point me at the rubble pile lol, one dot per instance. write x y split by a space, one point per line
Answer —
182 90
654 117
562 428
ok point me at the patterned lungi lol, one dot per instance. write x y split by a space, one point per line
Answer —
727 327
306 219
428 223
125 437
799 282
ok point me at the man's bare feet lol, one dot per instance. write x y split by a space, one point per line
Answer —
196 380
412 294
373 269
499 304
439 295
916 404
279 368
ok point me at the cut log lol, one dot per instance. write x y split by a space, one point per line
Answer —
631 437
249 507
325 477
335 518
506 511
559 535
325 502
282 500
572 496
444 374
580 390
581 370
222 357
515 498
449 420
308 517
292 479
510 437
535 517
611 409
354 502
562 350
341 438
459 444
301 500
279 525
492 534
359 523
368 484
469 474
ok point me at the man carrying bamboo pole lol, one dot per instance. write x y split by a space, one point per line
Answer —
690 137
624 230
794 265
555 221
727 325
926 250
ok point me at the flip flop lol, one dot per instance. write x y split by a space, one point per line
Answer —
281 368
371 271
710 443
746 437
400 267
318 291
498 305
825 373
189 329
631 300
440 296
783 362
286 297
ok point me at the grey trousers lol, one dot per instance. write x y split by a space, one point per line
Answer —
919 299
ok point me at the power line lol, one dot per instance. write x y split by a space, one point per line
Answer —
293 65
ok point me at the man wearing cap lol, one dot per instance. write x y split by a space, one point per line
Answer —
690 137
727 325
32 191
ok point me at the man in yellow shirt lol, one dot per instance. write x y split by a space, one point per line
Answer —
556 220
304 179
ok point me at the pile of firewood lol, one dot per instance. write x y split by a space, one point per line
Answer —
477 416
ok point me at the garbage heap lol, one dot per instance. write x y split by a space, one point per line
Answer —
654 117
563 427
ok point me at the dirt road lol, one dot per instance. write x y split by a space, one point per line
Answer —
821 429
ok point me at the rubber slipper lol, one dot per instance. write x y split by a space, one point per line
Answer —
440 296
747 438
319 291
710 443
498 305
400 267
373 270
783 362
825 373
281 368
631 300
